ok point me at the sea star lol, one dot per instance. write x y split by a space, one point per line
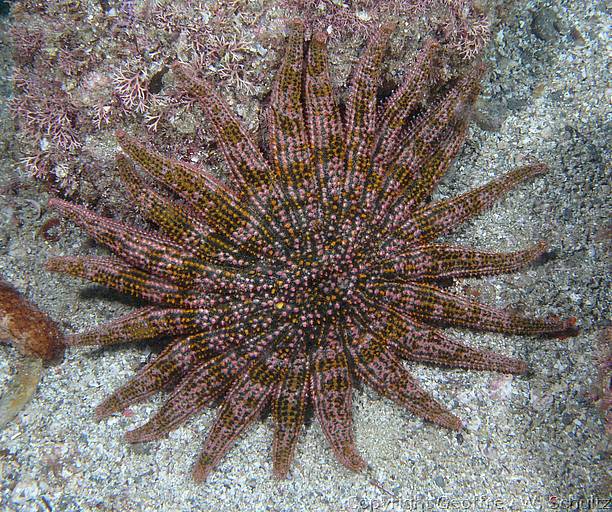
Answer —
312 268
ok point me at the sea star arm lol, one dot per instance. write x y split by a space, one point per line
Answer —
401 106
143 324
427 345
288 411
432 140
440 218
325 129
248 396
289 148
190 351
290 155
203 192
248 168
118 275
151 322
207 375
361 114
431 304
163 371
384 372
332 400
426 146
213 216
437 261
406 185
200 388
203 233
250 173
415 341
137 247
153 253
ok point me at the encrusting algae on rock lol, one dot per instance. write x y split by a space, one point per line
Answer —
35 336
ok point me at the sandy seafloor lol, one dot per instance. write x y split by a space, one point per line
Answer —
527 439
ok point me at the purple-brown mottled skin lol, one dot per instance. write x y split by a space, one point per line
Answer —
314 267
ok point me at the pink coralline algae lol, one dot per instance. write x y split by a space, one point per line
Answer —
84 69
460 24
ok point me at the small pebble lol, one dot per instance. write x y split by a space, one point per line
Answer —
545 23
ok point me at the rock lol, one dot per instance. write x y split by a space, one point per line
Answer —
545 24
